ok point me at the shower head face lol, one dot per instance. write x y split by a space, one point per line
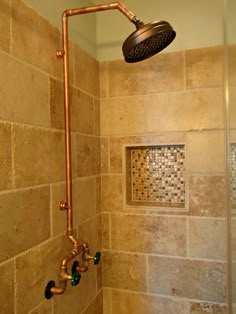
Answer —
147 41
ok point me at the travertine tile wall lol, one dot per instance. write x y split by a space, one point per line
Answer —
231 64
154 261
32 228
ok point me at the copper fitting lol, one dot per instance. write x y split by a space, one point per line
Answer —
64 206
102 7
60 53
63 277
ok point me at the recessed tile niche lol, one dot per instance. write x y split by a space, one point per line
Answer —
155 176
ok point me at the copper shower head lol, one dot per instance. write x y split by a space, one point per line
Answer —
147 40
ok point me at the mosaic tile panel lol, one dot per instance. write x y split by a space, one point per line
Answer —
158 174
233 172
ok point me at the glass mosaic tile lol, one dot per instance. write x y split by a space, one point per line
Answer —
233 172
157 174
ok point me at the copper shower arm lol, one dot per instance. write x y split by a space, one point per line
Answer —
103 7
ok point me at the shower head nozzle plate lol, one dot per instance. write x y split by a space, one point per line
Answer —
148 40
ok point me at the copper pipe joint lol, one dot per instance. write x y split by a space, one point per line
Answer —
63 277
102 7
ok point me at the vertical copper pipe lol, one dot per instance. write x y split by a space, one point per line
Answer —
65 54
67 125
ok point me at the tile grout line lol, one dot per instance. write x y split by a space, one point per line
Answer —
147 273
110 232
187 237
109 155
162 256
184 71
13 157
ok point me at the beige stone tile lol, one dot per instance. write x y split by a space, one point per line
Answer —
207 238
84 199
105 164
208 308
29 41
187 111
35 269
99 277
232 111
107 305
74 149
207 196
106 231
59 217
82 112
204 67
103 66
195 279
117 150
7 287
124 271
78 298
112 199
96 106
233 282
25 93
43 308
149 234
5 156
88 157
232 138
43 153
96 307
206 152
138 303
116 153
124 116
161 73
24 220
182 111
82 109
90 232
232 230
5 25
98 195
231 62
86 72
71 57
56 104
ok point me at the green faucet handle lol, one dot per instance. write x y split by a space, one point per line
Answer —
75 279
97 258
76 276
